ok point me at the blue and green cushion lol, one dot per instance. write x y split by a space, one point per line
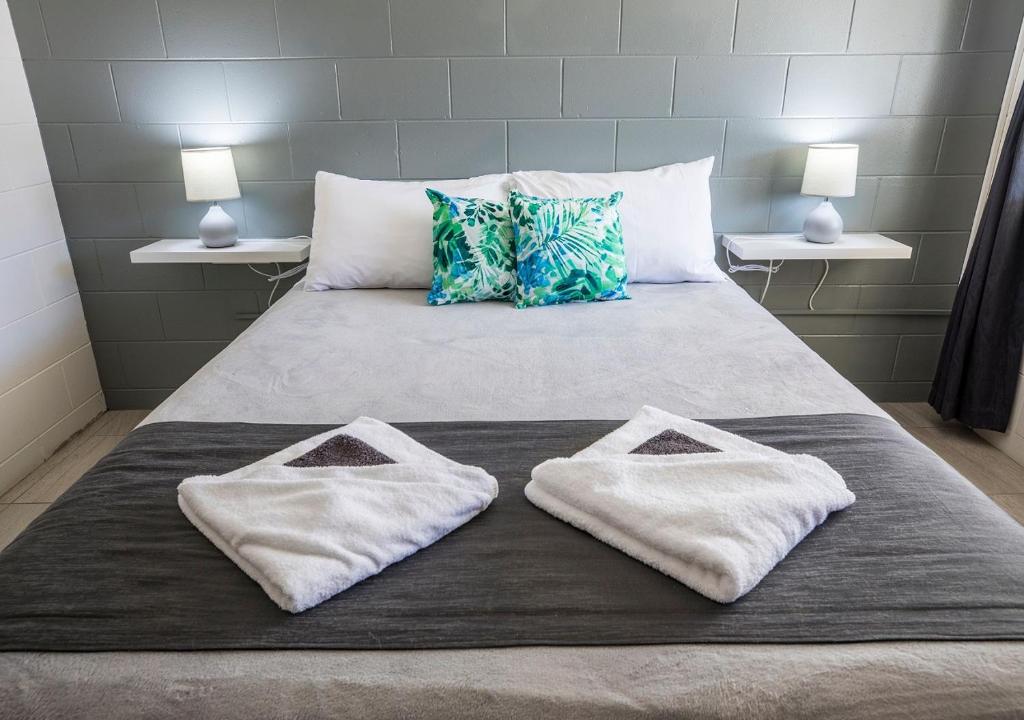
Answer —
568 250
474 258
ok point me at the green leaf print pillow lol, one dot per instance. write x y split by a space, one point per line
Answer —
568 250
474 257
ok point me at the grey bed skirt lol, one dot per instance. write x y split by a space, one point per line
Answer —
113 565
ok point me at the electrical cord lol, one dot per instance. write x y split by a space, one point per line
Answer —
278 276
275 278
733 268
273 290
260 272
810 302
771 268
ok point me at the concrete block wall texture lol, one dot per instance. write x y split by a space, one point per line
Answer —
423 89
49 388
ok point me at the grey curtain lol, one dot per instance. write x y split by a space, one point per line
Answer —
980 362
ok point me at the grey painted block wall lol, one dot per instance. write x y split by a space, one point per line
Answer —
448 88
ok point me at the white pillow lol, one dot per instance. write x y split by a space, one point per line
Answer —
376 233
666 216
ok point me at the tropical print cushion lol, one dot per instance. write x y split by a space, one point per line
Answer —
474 258
568 250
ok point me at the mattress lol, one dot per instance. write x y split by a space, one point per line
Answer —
696 350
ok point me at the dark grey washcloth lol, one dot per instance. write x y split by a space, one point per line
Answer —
342 450
114 565
672 442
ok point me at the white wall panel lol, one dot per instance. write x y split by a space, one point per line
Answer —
29 219
53 273
24 162
37 341
19 292
80 374
31 409
49 387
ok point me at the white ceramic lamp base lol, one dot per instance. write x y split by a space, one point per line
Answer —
824 224
217 229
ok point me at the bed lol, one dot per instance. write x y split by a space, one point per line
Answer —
698 350
703 350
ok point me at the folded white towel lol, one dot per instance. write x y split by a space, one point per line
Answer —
317 517
711 509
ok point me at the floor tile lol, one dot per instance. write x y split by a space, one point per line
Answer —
1013 504
916 414
993 472
24 484
64 474
58 470
15 518
117 422
57 462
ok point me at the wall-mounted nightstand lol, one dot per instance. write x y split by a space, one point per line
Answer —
777 248
244 252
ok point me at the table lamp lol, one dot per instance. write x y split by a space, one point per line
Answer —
210 177
831 172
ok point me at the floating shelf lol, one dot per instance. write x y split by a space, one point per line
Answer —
246 251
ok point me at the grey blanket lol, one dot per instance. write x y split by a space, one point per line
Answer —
114 565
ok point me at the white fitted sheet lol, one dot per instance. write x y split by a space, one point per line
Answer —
702 350
705 351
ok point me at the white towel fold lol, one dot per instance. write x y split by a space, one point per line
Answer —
717 514
309 530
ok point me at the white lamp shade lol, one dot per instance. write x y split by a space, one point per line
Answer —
209 174
831 170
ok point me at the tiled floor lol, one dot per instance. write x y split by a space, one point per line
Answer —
994 473
991 471
25 501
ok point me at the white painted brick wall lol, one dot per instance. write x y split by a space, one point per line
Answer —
49 388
